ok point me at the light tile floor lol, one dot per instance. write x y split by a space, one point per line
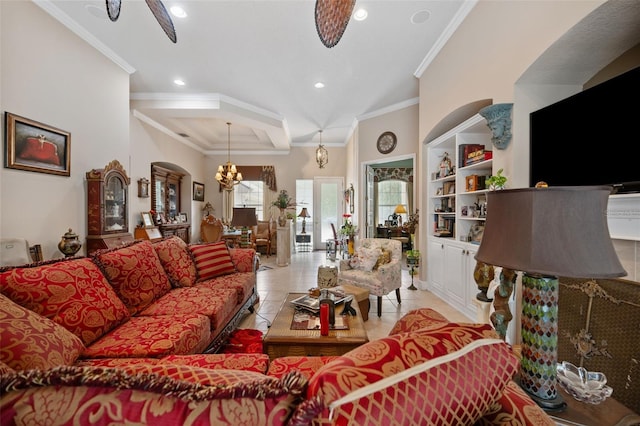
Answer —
301 275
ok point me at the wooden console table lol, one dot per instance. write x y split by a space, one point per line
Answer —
179 229
608 413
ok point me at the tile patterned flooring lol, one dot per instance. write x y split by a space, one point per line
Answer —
301 275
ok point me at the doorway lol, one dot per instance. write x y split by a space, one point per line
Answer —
328 207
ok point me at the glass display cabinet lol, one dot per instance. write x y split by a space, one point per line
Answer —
165 201
107 207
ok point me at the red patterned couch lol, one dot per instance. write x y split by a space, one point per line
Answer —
144 300
427 371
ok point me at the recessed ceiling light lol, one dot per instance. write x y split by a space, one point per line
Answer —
178 82
360 14
319 85
420 17
178 12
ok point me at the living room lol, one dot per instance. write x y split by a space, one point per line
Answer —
498 54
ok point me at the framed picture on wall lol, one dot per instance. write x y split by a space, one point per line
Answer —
198 191
36 147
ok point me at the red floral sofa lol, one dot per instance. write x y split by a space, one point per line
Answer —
144 300
427 371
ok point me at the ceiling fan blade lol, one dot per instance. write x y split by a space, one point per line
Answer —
332 17
113 9
163 18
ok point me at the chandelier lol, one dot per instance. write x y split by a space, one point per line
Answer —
228 175
322 155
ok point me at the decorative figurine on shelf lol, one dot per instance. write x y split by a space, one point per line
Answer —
69 245
446 167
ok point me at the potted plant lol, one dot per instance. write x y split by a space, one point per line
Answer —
497 181
283 202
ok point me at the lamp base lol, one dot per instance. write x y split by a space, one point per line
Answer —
553 405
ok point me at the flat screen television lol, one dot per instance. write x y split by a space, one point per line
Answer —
590 138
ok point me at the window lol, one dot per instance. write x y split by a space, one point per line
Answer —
390 194
250 193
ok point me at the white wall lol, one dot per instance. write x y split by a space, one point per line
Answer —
51 76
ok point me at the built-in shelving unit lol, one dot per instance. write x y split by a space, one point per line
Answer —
456 211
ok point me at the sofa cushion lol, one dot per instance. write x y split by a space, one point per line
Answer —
245 362
417 319
242 282
515 407
74 293
306 365
244 259
212 260
217 304
458 372
135 272
29 340
176 261
154 337
177 396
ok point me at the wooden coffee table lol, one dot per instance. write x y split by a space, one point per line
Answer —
281 340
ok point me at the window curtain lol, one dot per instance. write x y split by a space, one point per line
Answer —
404 174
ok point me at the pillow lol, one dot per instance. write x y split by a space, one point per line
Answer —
135 272
176 261
366 258
383 259
460 370
163 396
29 341
212 260
72 292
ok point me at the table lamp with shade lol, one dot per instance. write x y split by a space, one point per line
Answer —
395 217
244 217
304 214
547 233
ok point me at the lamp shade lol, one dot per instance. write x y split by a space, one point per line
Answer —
304 213
400 209
555 231
244 216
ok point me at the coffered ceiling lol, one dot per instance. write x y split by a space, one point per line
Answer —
255 63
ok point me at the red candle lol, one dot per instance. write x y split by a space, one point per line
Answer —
324 319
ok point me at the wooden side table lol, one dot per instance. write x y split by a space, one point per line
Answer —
609 412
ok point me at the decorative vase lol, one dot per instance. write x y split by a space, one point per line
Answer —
282 219
69 245
351 244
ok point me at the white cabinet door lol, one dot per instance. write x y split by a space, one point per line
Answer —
454 274
435 262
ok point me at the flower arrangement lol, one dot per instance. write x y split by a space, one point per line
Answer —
348 228
284 201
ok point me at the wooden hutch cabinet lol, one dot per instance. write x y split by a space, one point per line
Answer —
107 207
165 200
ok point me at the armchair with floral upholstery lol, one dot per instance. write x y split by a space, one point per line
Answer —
376 265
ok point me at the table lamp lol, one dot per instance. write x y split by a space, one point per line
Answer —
304 214
547 233
397 219
244 217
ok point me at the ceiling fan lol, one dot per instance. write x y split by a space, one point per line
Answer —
158 10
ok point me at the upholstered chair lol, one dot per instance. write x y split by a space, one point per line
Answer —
211 229
261 236
376 265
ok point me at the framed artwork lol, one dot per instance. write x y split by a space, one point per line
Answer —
198 191
143 188
147 220
36 147
182 218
